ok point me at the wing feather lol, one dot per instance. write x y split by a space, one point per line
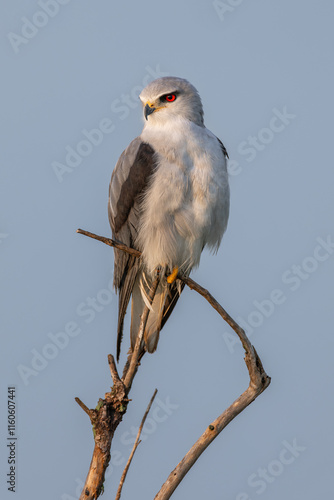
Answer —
128 183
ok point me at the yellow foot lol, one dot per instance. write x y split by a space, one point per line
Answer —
172 277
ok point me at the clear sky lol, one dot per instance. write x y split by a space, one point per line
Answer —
71 72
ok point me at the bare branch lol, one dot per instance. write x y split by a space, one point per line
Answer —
136 443
115 403
206 439
259 381
105 419
113 369
109 412
83 406
111 243
207 295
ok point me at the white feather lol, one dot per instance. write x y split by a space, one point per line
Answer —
143 293
186 204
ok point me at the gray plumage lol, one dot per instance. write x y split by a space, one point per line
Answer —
169 198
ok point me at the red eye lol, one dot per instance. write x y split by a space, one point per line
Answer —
170 97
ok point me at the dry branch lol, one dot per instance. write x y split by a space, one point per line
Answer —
108 414
111 243
259 381
105 419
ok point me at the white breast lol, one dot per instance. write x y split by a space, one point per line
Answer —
187 203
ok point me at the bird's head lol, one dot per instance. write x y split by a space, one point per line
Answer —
169 97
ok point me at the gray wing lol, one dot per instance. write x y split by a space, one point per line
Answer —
128 183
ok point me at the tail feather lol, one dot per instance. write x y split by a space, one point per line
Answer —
124 299
154 322
164 301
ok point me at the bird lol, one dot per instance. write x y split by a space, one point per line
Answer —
169 198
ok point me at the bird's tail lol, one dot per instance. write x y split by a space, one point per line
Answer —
164 301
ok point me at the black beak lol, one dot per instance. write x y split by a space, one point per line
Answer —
148 111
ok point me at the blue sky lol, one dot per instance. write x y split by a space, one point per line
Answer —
71 75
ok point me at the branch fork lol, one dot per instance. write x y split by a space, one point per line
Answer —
106 417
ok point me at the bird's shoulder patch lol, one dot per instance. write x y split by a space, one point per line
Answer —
224 150
135 183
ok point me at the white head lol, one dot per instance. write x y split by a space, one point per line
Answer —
169 97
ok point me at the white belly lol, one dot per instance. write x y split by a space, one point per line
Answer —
186 205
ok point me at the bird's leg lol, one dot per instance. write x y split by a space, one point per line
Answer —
172 277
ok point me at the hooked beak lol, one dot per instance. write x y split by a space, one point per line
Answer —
148 110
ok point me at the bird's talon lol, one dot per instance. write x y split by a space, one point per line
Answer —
172 277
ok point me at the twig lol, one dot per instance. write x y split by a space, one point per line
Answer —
83 406
207 295
136 443
113 369
111 243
